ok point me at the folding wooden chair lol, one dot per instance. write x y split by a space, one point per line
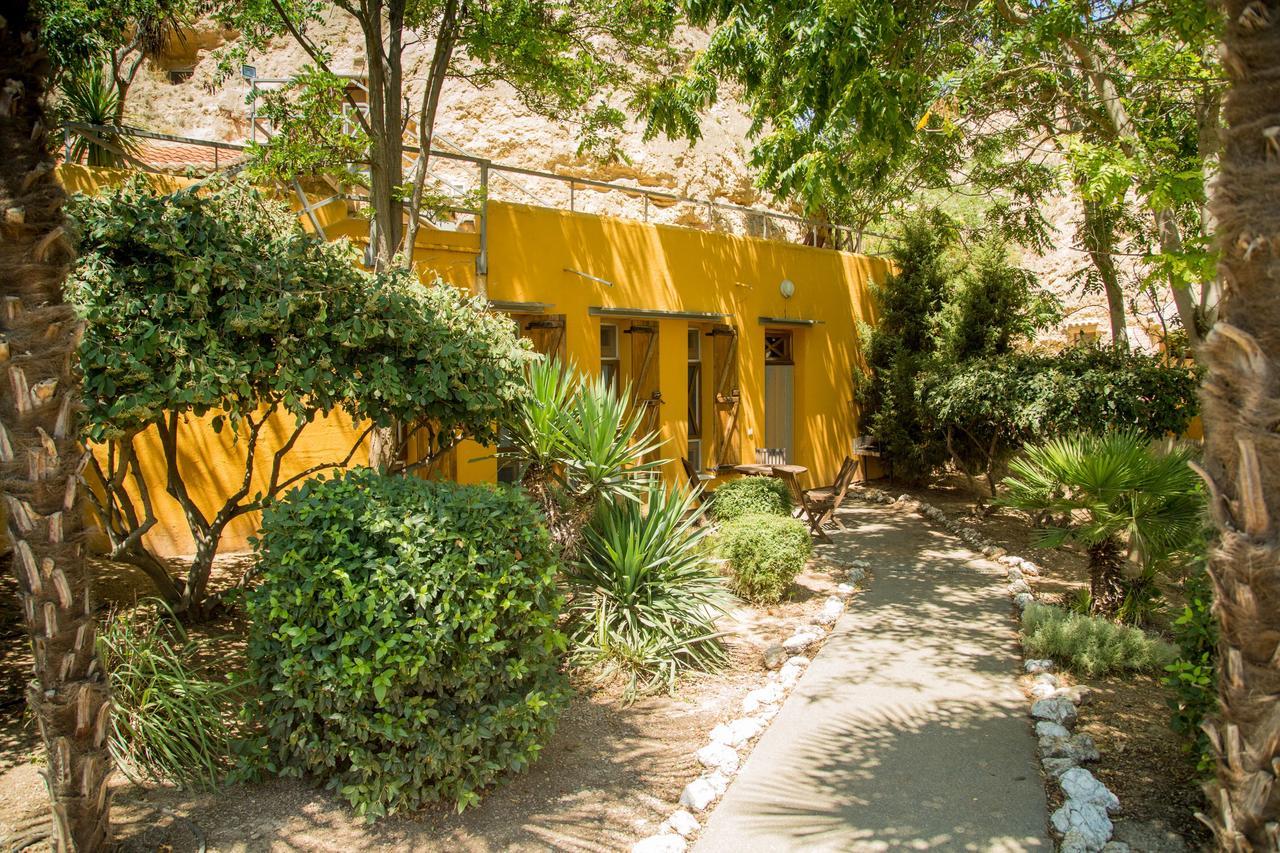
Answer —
832 496
697 483
811 511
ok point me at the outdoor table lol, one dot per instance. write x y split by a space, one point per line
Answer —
789 469
754 470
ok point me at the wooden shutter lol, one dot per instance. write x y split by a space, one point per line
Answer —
728 399
546 332
644 372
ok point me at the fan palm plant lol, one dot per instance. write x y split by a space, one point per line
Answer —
1119 498
643 597
577 442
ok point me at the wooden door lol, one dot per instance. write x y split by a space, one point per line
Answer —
646 395
727 397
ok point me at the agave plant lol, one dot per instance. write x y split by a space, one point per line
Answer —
578 442
1120 498
643 597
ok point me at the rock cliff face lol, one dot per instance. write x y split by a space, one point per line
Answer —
492 123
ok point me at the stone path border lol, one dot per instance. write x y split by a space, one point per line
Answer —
730 743
1084 819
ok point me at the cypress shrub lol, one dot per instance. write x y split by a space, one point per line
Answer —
751 495
765 553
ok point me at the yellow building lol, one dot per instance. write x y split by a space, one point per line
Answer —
731 344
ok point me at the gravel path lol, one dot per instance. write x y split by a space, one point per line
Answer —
909 729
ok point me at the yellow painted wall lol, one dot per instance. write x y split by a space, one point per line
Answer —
650 267
679 269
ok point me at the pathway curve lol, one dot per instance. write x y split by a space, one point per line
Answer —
909 729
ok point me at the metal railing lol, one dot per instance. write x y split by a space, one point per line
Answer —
840 236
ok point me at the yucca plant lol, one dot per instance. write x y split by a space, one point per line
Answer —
643 596
172 722
578 442
91 98
1120 499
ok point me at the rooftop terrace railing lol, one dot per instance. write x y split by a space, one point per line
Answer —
654 205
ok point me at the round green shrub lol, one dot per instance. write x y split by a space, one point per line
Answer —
403 638
751 495
765 553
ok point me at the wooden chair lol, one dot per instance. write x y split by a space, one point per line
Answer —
697 482
810 511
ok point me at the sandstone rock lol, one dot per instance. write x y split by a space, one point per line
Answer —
767 713
719 756
698 794
774 655
1043 691
1087 821
1077 694
994 551
1055 710
718 782
1023 600
737 732
1013 575
1037 666
798 660
1080 748
665 843
1019 588
857 575
1009 560
682 822
1029 568
1081 785
845 590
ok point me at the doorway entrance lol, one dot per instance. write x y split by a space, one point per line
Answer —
779 393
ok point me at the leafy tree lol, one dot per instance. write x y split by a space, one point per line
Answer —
97 48
1241 459
898 348
560 58
217 303
39 452
859 107
1119 499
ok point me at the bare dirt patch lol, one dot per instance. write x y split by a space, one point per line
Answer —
611 774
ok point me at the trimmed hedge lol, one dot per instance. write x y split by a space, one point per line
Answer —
765 553
1089 644
751 495
403 638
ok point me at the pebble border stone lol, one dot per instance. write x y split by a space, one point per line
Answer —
1083 820
730 743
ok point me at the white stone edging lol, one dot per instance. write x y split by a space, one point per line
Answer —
730 743
1084 819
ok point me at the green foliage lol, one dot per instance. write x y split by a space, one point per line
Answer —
91 99
765 553
311 134
1090 645
643 597
1193 676
203 301
1112 486
171 723
403 638
991 306
751 496
898 349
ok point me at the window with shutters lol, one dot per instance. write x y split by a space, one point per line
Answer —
610 360
695 397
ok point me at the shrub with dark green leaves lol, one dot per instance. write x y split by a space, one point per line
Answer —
404 638
1089 644
765 553
751 496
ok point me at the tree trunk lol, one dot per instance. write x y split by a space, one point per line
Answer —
1106 578
1242 444
39 452
1097 232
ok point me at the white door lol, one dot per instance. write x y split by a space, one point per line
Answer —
778 407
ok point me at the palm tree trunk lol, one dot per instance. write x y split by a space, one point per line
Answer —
39 451
1242 444
1106 578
